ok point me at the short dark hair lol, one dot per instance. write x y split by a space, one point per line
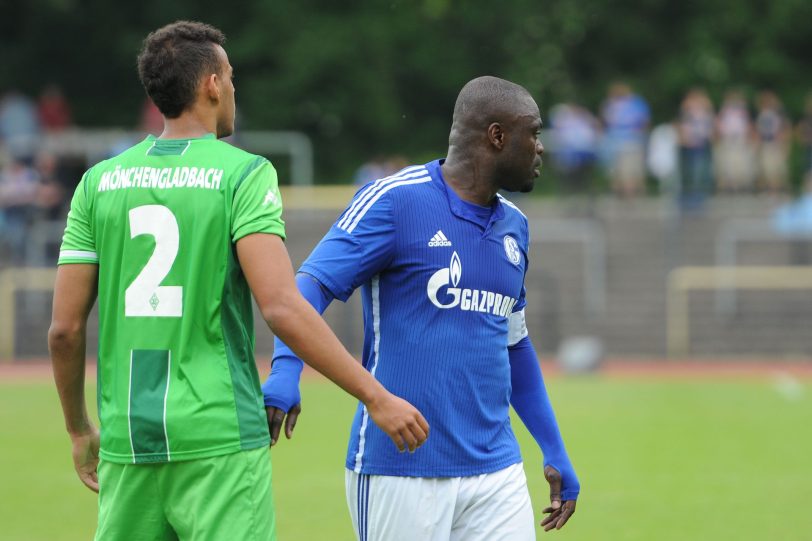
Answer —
172 61
482 101
487 98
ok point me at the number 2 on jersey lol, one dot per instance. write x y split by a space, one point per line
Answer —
146 297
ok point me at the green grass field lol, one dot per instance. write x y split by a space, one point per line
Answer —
659 459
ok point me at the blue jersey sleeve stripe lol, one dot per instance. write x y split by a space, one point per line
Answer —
376 184
372 201
370 191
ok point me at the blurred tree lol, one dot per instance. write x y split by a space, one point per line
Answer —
380 77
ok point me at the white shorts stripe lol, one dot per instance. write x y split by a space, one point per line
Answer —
363 481
360 508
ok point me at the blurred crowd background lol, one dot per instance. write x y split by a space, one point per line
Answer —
736 147
676 134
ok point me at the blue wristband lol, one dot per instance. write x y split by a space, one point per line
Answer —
281 389
531 402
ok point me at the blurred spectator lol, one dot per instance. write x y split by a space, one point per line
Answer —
794 220
773 130
805 136
50 196
663 157
796 217
626 117
53 108
695 129
734 148
575 133
19 125
151 120
18 195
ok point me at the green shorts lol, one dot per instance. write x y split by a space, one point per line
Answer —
209 499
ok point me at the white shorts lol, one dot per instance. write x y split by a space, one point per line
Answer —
489 507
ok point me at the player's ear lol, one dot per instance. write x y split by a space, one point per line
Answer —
211 88
496 135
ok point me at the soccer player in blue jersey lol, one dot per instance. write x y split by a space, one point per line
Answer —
441 260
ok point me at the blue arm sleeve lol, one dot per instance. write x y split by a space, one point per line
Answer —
530 400
359 244
281 389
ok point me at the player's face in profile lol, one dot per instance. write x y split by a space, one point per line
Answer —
227 107
524 153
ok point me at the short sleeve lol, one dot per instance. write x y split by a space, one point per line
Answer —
78 243
257 205
358 246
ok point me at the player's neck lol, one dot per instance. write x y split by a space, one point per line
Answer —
189 125
469 181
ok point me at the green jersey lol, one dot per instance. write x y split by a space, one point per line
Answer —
176 372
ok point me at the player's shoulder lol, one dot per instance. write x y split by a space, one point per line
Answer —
230 153
511 209
408 183
404 180
225 148
240 164
380 196
515 219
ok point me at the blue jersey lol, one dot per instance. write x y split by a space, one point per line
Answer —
439 283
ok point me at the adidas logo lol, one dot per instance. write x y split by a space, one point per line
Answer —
439 239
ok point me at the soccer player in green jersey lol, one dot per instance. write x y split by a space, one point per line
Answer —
173 236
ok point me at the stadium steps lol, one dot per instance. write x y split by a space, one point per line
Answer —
644 241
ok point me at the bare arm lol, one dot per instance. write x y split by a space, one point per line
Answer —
265 262
74 295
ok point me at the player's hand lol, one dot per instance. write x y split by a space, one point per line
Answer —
276 417
86 457
400 420
559 512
